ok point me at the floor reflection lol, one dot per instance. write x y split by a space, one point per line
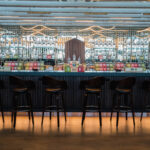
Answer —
73 126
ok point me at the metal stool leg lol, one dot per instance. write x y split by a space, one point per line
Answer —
132 105
57 108
31 108
1 105
118 111
84 107
12 113
99 108
50 113
126 103
28 102
44 106
62 95
15 109
113 103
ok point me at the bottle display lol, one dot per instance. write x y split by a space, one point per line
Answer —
114 51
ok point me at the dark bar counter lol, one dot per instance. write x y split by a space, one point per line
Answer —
73 94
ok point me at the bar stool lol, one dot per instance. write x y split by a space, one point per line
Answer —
123 89
1 104
21 89
92 87
54 97
146 105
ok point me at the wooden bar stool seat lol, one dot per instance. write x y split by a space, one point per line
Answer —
53 90
20 90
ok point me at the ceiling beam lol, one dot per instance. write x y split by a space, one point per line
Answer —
5 19
71 14
74 4
75 10
74 25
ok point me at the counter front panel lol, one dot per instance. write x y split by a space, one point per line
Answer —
73 95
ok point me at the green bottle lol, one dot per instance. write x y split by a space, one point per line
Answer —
67 68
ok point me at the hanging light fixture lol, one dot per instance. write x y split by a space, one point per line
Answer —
36 30
145 30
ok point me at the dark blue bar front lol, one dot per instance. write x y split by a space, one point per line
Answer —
73 95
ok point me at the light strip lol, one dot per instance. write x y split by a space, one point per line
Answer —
10 16
84 21
38 12
31 20
65 17
121 18
99 27
37 31
96 13
46 28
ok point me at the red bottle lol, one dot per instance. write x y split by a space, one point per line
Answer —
81 68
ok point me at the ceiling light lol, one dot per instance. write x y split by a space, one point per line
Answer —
31 20
9 16
38 12
25 23
84 21
146 13
64 17
121 18
95 13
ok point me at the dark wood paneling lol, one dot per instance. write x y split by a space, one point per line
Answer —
76 47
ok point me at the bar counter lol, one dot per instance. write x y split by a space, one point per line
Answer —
73 94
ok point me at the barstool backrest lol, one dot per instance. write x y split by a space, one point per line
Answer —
1 84
54 83
17 82
126 83
146 85
113 84
95 82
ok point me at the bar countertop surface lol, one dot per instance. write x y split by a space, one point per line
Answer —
44 73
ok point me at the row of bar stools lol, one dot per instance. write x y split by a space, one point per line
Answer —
54 90
123 89
21 91
92 87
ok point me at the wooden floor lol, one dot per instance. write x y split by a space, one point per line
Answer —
72 136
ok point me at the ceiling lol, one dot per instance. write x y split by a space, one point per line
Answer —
75 13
